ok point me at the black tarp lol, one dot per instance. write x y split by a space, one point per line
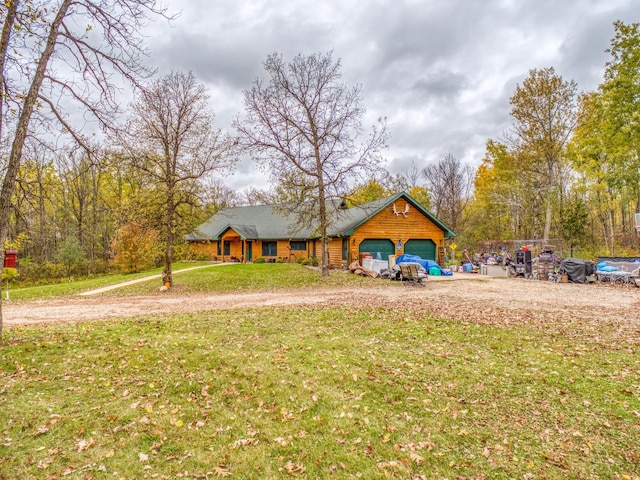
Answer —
577 269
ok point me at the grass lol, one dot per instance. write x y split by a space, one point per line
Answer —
41 292
216 278
246 277
314 393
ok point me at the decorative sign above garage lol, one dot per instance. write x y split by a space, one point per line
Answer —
401 212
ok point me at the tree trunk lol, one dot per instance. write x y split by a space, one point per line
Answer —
547 218
167 277
323 230
7 28
611 233
22 127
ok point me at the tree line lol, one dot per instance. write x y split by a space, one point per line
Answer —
567 169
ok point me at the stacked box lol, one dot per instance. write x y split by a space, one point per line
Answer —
545 269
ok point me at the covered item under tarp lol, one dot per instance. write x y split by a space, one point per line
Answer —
577 269
427 264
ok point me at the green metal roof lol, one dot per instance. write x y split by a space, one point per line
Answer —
267 222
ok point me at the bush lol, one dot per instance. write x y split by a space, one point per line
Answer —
201 257
99 266
71 255
31 271
259 260
180 252
313 261
135 246
279 260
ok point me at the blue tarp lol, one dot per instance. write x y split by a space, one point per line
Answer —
427 264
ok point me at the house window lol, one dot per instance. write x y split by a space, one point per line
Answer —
227 248
345 249
298 245
269 249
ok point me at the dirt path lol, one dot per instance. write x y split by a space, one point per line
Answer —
471 298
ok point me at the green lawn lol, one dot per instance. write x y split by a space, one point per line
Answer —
42 292
314 392
246 277
216 278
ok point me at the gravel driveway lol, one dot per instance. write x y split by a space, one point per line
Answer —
590 310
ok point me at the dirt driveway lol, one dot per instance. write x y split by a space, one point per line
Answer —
588 309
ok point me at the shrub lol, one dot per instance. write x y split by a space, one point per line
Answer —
259 260
52 270
8 274
99 266
135 247
180 252
71 255
313 261
279 260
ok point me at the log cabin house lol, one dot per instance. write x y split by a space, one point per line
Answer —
389 226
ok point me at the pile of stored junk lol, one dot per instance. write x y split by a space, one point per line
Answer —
546 265
549 266
394 269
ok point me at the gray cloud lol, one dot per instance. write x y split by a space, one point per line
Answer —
441 72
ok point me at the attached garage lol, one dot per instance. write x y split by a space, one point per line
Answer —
383 246
424 248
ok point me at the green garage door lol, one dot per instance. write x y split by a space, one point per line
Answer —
425 249
384 246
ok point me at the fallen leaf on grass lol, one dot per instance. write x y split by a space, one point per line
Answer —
416 458
244 442
84 444
68 471
555 460
221 472
281 441
44 463
294 469
45 428
391 464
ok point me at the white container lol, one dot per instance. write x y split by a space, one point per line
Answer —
496 271
379 265
374 265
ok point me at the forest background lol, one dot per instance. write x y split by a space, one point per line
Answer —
567 172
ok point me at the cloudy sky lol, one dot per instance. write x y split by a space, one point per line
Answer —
441 71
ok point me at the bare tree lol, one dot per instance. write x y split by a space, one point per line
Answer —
216 195
404 180
450 184
257 196
170 138
63 56
408 180
307 127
